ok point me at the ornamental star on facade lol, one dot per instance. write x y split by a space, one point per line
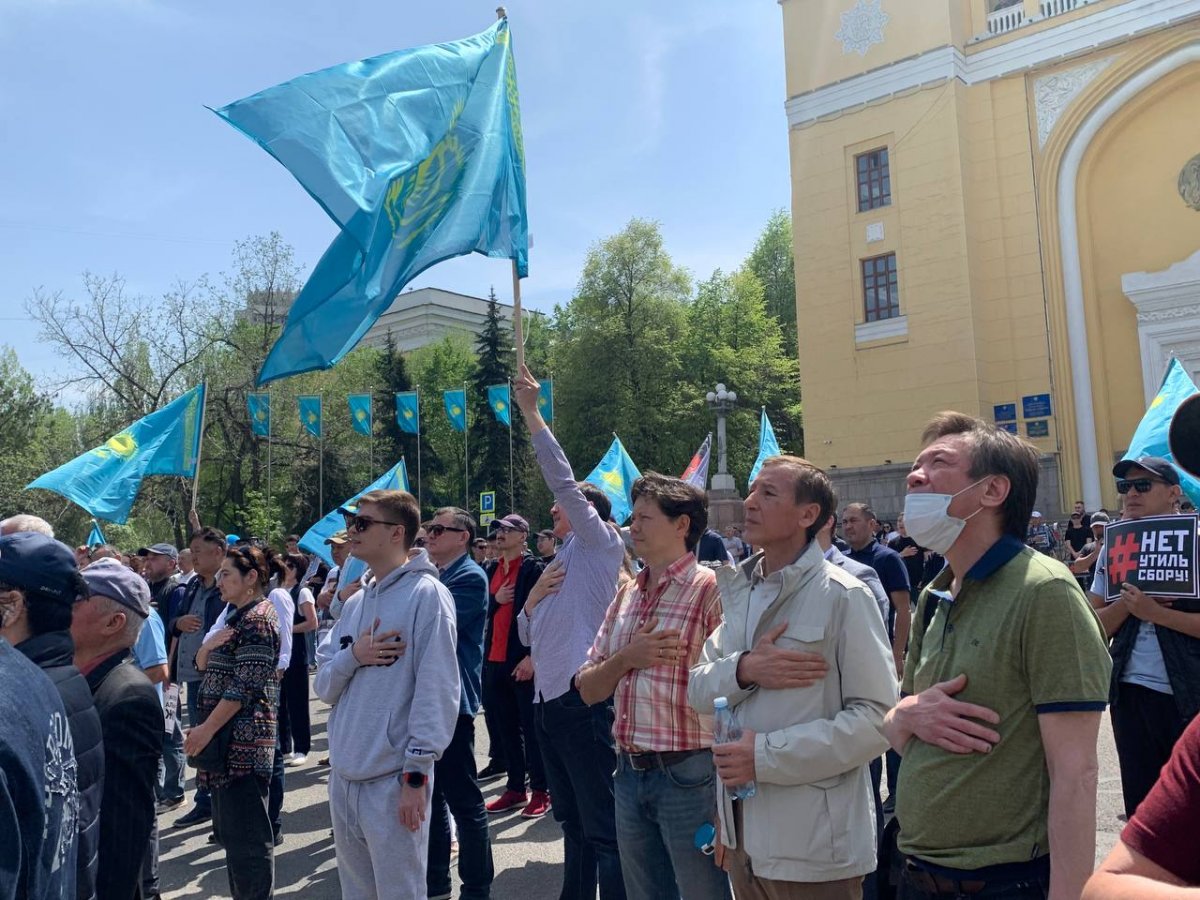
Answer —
862 27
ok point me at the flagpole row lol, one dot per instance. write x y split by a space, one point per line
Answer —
518 322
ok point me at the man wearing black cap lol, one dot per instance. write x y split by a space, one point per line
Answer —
160 564
39 584
508 670
105 625
547 545
1155 644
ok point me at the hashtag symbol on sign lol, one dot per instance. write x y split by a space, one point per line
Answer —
1122 558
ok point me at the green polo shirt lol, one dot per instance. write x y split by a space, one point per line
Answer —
1029 643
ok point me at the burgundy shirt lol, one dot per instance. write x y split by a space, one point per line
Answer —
1165 826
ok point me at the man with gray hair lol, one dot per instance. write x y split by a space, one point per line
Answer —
25 522
105 626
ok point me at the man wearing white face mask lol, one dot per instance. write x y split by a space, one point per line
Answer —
1003 690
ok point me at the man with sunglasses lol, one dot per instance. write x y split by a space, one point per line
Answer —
455 791
1155 688
388 670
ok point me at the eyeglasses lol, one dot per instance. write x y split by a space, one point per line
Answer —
362 523
1141 485
437 530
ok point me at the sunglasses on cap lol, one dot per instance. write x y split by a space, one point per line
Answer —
1141 485
438 530
362 523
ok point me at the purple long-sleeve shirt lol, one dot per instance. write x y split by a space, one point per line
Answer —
563 626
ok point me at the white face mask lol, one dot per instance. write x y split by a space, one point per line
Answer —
928 521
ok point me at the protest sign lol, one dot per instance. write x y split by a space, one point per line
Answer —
1156 554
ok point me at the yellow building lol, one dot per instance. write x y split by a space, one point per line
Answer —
996 209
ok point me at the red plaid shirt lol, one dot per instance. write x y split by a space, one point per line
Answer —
652 711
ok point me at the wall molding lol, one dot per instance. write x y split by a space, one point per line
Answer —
1100 29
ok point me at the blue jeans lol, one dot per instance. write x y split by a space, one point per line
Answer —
203 800
658 812
172 769
578 750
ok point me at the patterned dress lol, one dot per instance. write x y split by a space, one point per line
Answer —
243 669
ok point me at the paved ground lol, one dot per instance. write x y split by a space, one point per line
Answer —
527 853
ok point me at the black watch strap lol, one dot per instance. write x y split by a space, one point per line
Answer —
414 779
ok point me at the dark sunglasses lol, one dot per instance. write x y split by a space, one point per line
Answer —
1141 485
362 523
437 530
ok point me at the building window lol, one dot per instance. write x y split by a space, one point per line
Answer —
881 294
874 180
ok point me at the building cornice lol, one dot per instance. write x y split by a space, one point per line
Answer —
1071 38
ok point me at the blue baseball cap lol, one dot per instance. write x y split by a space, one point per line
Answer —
40 565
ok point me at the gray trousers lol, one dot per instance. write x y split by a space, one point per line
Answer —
377 856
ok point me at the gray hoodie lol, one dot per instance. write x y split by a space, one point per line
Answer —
389 719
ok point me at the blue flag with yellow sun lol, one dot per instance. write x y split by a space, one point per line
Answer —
546 400
310 413
456 408
417 156
313 540
408 412
768 445
615 475
259 407
105 481
498 400
1150 439
360 413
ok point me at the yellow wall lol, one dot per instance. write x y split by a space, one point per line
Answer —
1132 220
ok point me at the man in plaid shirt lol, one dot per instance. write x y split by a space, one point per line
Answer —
651 637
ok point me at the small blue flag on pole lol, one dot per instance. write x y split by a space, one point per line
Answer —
767 445
408 412
498 400
96 537
313 540
1150 438
546 400
456 408
310 413
105 481
615 475
416 155
360 413
259 406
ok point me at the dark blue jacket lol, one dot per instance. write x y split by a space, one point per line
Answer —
527 576
37 785
132 720
54 654
469 587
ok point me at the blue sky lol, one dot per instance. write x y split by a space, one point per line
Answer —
663 109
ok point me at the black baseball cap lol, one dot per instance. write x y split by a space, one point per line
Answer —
1154 464
40 565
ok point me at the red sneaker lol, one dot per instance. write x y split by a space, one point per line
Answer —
506 801
538 806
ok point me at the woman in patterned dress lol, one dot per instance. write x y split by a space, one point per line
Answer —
240 685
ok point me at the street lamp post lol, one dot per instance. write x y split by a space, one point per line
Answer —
722 401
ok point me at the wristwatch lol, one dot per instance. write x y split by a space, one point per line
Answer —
414 779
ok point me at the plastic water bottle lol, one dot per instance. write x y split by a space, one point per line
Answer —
726 730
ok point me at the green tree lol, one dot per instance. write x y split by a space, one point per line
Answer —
772 260
490 438
445 365
616 355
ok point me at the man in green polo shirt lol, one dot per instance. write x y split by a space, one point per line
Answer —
1004 689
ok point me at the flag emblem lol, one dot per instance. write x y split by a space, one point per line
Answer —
123 445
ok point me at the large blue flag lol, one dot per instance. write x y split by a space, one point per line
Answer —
768 446
96 537
105 481
408 412
1150 438
416 155
310 414
546 400
313 540
456 408
615 475
259 407
360 413
498 400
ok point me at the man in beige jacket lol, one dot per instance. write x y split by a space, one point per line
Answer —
804 661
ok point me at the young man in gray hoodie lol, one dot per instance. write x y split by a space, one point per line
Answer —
390 671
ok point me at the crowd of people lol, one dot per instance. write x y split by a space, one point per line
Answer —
814 704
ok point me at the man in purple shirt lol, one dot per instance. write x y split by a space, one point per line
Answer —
560 624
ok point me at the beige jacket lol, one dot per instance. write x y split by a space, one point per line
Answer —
813 817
